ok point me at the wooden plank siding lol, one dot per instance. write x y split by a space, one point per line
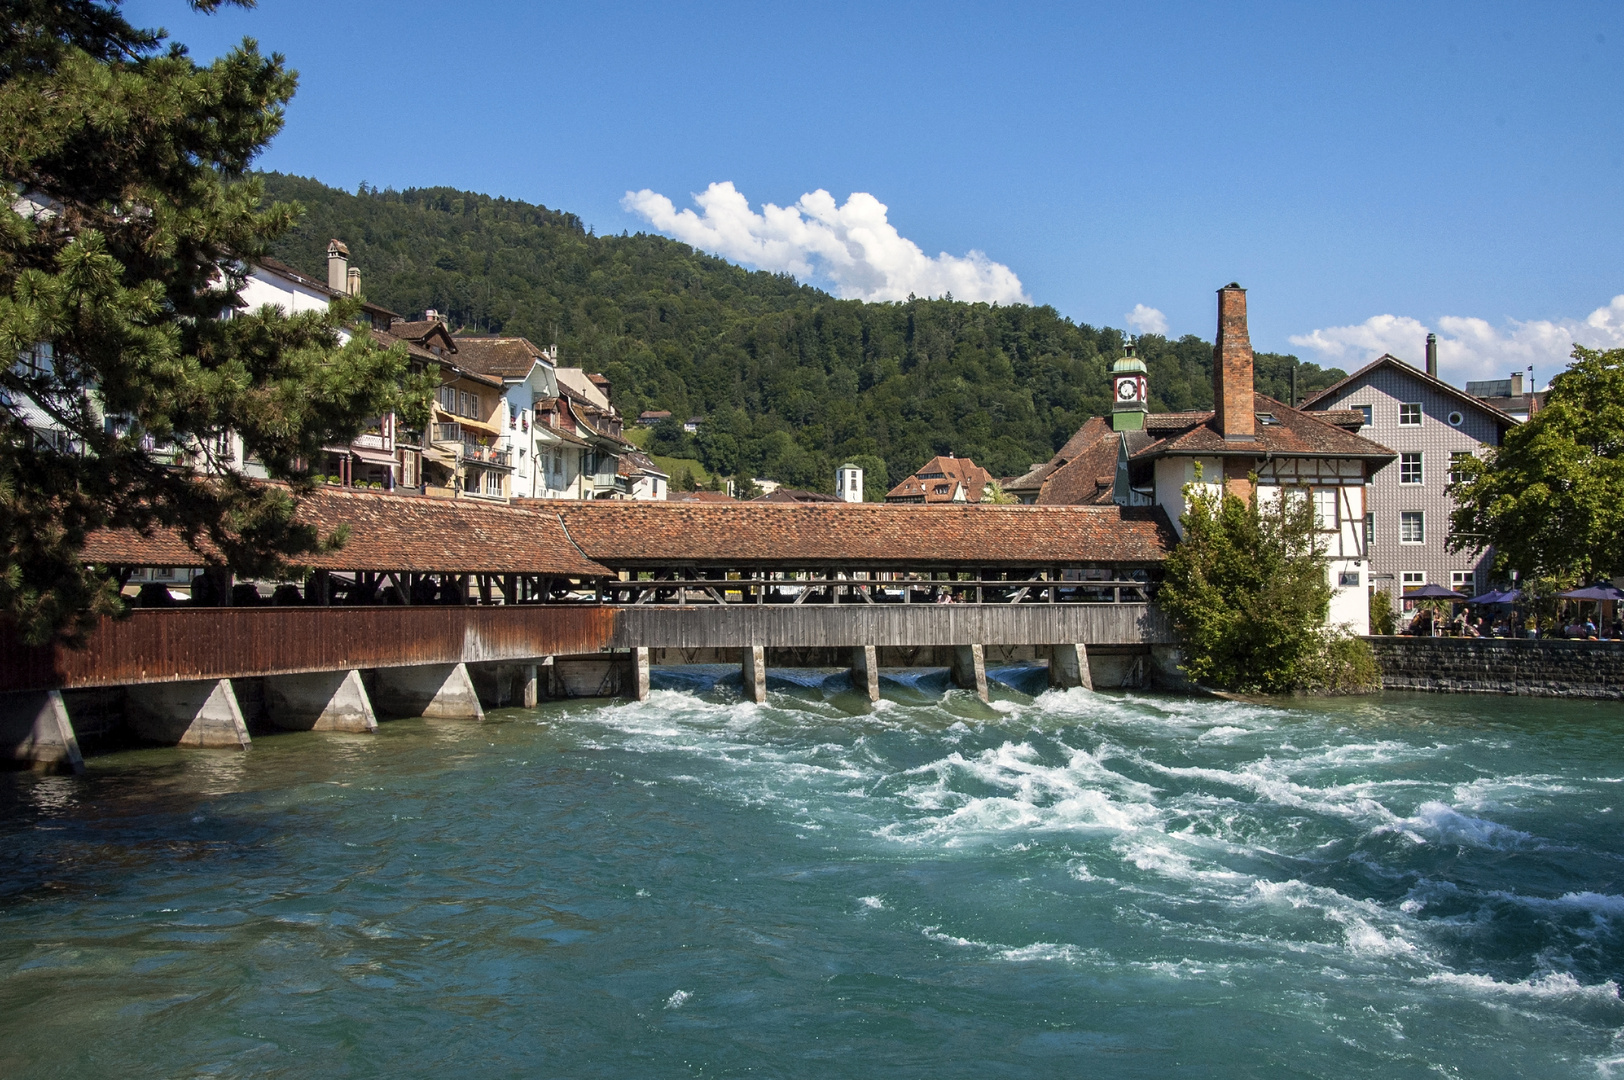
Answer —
894 624
177 645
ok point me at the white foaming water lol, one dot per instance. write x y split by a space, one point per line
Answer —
1439 822
1204 818
1556 985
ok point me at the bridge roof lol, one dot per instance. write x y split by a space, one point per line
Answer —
873 535
391 532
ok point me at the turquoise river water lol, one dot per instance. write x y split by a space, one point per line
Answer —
1060 885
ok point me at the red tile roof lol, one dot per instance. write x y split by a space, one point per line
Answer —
1294 434
797 495
700 497
393 532
872 535
507 357
939 471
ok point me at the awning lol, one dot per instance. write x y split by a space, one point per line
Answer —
374 457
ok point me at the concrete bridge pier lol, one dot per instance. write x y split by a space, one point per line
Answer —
970 669
202 714
319 701
755 674
1068 667
437 691
865 671
640 672
35 732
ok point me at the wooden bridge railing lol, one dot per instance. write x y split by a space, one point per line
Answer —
180 644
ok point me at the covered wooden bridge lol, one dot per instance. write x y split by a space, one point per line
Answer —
435 608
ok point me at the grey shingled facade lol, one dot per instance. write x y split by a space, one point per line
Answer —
1450 422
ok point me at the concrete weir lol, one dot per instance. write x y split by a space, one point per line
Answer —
203 714
865 671
969 669
1068 667
35 732
437 691
319 701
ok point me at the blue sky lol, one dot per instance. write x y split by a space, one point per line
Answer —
1369 171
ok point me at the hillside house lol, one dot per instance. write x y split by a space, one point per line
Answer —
943 479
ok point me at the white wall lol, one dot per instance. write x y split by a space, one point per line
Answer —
1172 473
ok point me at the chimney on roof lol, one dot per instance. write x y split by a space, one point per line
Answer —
1516 384
1432 355
338 266
352 282
432 316
1233 412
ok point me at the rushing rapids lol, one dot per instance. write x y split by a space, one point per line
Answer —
1055 885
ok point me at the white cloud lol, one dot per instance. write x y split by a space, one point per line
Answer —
852 245
1470 348
1147 320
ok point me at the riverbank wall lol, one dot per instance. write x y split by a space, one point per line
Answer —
1513 666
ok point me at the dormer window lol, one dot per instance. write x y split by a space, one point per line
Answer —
1267 418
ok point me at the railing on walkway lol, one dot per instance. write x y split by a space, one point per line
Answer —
687 587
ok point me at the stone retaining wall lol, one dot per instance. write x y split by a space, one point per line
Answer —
1544 668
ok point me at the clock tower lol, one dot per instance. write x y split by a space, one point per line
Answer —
1130 391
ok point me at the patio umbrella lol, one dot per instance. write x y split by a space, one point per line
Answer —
1493 596
1599 591
1434 592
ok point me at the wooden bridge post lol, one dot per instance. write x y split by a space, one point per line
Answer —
970 669
1068 667
532 686
202 714
755 674
865 671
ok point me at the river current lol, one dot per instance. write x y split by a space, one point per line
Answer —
1061 884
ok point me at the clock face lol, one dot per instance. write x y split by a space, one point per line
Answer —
1127 389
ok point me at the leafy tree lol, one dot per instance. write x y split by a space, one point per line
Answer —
1248 591
129 216
1550 498
997 496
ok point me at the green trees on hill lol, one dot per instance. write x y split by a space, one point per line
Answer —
791 381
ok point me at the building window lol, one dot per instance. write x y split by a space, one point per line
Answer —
493 483
1409 414
1370 527
1325 500
1412 528
1365 409
1409 581
448 399
1463 581
1409 468
1456 419
1456 457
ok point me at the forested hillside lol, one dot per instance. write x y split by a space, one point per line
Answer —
791 381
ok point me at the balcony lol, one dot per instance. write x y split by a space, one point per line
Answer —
467 447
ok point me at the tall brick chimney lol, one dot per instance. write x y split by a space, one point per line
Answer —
1233 414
